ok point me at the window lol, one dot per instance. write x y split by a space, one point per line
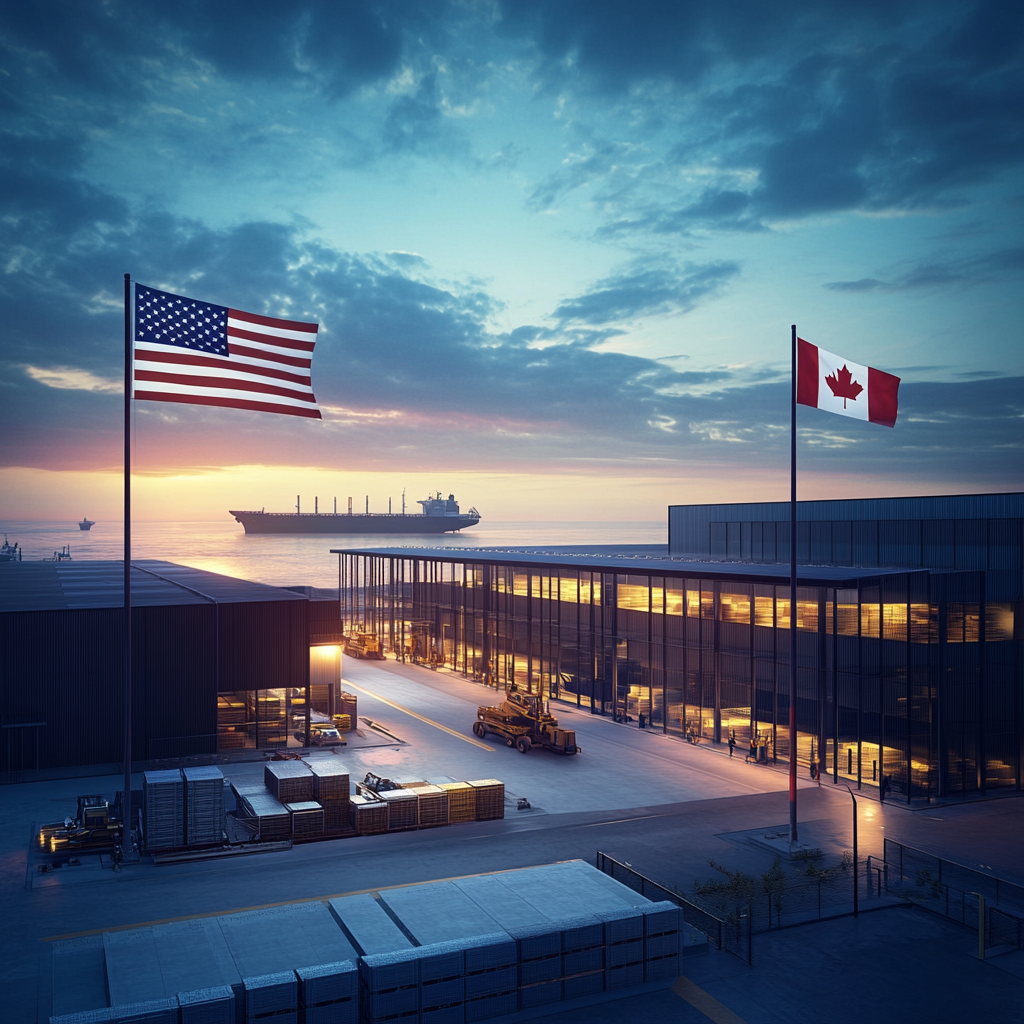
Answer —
870 619
734 608
764 611
998 621
894 621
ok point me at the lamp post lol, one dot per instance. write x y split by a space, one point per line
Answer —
856 894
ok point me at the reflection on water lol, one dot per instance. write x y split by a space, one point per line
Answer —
223 547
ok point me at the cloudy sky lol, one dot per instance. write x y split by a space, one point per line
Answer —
555 249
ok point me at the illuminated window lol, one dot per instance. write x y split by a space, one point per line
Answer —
707 604
734 608
807 616
693 603
764 611
961 623
846 612
870 619
998 621
674 600
894 621
782 612
922 617
632 597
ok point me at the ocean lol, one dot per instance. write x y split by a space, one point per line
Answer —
222 546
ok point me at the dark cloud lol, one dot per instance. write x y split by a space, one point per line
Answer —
100 46
940 273
646 292
833 106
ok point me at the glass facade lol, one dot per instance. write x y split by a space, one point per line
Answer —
908 678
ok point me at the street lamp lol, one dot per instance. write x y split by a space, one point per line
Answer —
856 901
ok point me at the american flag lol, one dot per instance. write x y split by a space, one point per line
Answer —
201 354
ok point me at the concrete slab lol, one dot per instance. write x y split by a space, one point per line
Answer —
194 955
367 925
439 912
284 938
133 968
79 975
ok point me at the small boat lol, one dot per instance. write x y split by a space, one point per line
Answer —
86 524
64 555
9 552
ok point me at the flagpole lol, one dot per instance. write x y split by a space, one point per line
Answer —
126 803
792 600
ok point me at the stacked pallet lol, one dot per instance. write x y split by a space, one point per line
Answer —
403 807
163 803
275 823
271 996
331 791
307 819
490 799
343 723
290 782
207 1006
433 803
348 705
461 801
369 815
204 806
329 993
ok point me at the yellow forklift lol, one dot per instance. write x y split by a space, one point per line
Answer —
522 720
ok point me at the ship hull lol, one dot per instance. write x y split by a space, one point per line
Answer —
340 524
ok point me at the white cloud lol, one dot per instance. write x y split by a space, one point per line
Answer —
70 378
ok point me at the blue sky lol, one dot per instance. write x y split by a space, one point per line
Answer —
549 242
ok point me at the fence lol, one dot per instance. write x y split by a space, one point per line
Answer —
952 890
731 917
732 934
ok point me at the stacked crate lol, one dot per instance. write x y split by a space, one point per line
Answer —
163 802
540 963
582 956
307 819
331 791
329 993
204 806
491 976
275 823
461 801
389 985
207 1006
290 782
662 922
403 808
623 947
369 815
348 705
272 998
490 799
433 803
343 723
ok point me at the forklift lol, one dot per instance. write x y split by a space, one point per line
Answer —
522 720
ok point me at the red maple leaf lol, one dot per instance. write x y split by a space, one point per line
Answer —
845 386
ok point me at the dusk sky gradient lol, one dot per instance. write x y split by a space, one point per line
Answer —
554 248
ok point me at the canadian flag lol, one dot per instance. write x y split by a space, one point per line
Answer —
830 382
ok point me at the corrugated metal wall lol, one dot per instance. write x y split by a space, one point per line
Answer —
65 668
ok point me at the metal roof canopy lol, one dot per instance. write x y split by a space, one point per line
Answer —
809 575
56 586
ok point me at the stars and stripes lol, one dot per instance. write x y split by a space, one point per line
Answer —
202 354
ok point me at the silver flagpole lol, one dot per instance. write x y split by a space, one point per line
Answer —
126 803
792 603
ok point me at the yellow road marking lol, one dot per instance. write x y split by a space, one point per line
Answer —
285 903
706 1003
429 721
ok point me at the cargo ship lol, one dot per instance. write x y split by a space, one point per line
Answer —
439 515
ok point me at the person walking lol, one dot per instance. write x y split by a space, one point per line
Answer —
732 742
752 756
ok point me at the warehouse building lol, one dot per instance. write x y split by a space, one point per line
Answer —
219 664
909 632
